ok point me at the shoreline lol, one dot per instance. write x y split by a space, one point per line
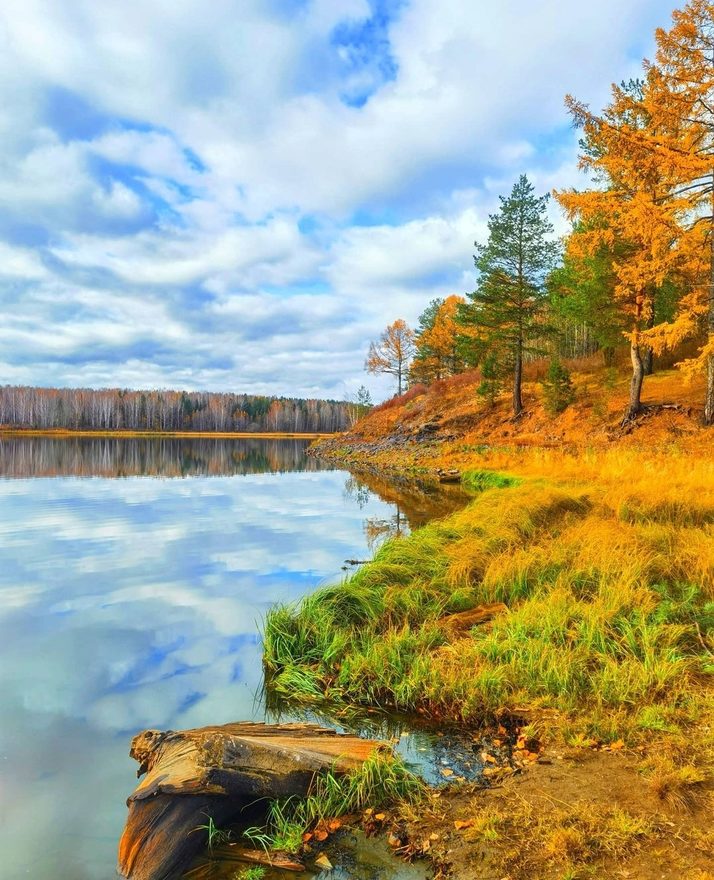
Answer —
64 433
565 610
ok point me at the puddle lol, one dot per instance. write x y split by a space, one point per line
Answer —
441 758
352 854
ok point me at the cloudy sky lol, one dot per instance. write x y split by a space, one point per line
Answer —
240 194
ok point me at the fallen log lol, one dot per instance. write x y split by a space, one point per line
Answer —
458 625
216 772
232 852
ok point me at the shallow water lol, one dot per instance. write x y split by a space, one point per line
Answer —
132 577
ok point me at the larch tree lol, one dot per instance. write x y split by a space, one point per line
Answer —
681 101
629 214
437 352
504 318
392 352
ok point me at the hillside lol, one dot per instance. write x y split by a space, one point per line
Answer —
451 411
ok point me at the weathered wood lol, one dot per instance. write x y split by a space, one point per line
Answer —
217 771
459 624
232 852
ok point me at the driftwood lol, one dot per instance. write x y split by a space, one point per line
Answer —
459 624
216 772
233 852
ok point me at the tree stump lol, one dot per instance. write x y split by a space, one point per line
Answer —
216 772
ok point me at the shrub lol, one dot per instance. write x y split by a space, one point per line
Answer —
558 391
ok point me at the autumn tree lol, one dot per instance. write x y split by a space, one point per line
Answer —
437 350
392 352
504 317
629 216
681 102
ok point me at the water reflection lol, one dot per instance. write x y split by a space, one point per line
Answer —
127 603
142 456
414 502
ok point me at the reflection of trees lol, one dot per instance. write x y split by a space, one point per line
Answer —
141 456
356 491
378 530
416 502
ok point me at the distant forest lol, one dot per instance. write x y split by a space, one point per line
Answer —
115 410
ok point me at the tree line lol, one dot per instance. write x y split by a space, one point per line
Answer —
114 409
636 269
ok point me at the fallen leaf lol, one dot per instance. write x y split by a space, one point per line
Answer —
307 836
321 835
617 745
334 824
323 862
460 824
446 771
380 817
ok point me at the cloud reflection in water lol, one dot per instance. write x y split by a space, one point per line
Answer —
127 603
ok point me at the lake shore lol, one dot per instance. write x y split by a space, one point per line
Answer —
594 670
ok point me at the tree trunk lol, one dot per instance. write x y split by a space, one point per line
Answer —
648 362
608 356
216 772
517 383
638 375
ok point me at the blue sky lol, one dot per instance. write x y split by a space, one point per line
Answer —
239 195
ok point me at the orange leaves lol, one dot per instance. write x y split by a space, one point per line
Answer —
436 345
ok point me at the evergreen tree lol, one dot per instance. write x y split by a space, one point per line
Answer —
558 391
490 384
506 309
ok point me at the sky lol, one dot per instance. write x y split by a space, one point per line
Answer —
238 195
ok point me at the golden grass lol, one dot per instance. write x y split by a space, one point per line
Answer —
606 565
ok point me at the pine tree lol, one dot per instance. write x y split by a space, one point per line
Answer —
558 391
505 313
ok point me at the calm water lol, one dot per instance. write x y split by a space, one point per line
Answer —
132 574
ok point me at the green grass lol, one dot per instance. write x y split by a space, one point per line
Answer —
607 620
255 872
480 481
214 836
382 780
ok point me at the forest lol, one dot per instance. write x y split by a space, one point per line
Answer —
112 409
633 279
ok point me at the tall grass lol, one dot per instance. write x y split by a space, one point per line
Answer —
607 574
382 780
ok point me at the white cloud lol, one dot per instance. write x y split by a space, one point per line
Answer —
169 204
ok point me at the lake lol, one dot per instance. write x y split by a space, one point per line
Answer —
133 576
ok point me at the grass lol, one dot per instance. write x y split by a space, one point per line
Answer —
606 566
255 872
479 480
382 780
214 836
